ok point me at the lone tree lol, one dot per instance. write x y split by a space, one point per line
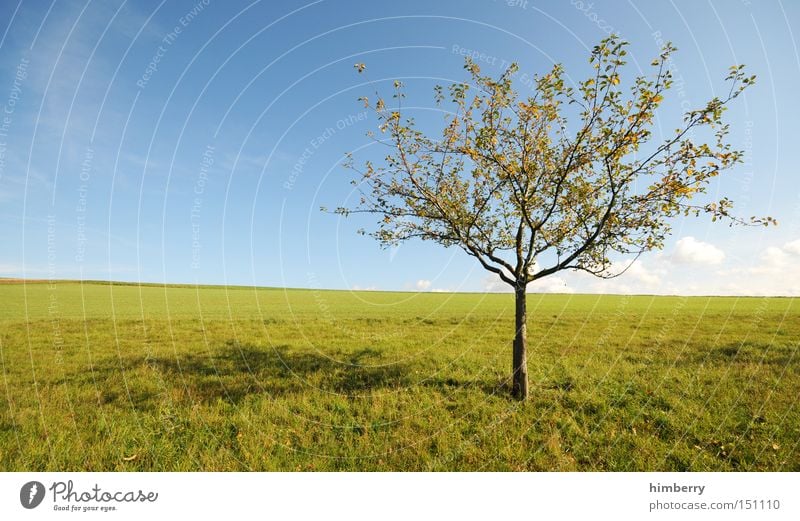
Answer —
528 194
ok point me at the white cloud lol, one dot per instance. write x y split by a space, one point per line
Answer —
777 272
772 270
367 288
551 284
422 284
493 284
691 251
774 258
637 271
634 278
792 247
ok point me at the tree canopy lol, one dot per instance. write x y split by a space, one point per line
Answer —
512 181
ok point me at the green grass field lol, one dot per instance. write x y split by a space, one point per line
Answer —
100 377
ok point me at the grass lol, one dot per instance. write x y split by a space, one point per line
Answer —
107 377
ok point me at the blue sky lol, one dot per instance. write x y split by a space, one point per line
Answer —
194 141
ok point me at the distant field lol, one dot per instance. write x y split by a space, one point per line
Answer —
120 377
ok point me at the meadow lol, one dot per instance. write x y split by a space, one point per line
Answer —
104 377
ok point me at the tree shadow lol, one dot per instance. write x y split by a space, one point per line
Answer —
235 371
775 354
239 370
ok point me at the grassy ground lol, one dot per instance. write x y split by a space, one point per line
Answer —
101 377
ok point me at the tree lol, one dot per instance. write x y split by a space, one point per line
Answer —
514 185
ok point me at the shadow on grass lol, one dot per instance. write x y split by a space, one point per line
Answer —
235 371
780 355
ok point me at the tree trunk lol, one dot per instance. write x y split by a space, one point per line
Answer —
520 369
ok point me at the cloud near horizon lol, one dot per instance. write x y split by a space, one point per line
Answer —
689 250
422 284
705 270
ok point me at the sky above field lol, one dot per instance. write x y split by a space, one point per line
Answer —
194 142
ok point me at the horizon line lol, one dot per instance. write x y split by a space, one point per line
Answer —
23 281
